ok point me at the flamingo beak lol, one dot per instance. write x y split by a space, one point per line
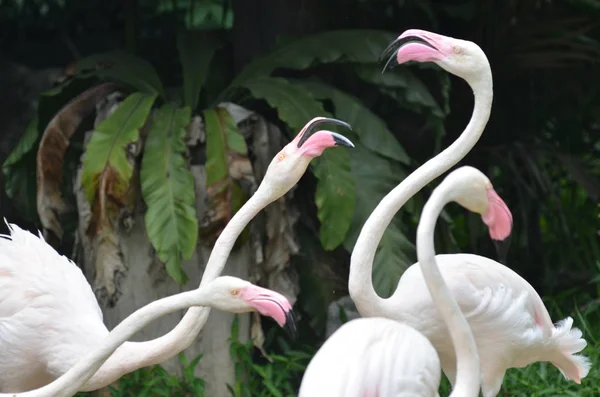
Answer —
311 126
272 304
499 221
412 44
290 325
502 249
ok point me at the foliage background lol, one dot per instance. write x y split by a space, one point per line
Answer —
541 146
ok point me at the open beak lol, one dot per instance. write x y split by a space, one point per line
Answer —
311 126
391 52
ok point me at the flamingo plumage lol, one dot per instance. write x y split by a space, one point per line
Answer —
511 325
49 316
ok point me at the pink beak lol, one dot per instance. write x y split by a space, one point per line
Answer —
272 304
499 221
416 45
312 143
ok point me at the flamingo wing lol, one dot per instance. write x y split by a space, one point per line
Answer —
49 315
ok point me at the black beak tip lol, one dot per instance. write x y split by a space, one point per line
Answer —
319 121
290 325
502 249
340 140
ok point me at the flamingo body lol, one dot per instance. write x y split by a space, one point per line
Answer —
50 319
373 357
49 315
511 325
508 319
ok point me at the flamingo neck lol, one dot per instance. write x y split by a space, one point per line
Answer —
135 355
75 377
468 367
360 284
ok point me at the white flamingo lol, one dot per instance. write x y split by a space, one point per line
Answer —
49 317
375 356
511 325
225 293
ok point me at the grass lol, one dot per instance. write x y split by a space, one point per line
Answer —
279 375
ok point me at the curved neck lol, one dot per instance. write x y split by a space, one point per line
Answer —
134 355
360 282
73 380
467 366
224 244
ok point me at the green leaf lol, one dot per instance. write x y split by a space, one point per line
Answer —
168 190
123 67
402 85
107 147
222 136
25 144
371 129
335 195
360 46
375 181
196 51
294 105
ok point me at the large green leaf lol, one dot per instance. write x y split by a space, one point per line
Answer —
222 137
402 85
106 151
371 129
295 106
125 68
196 51
335 195
25 144
168 190
360 46
374 181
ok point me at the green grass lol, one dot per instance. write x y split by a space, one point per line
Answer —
279 375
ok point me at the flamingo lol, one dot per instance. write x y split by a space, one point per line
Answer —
511 325
225 293
49 317
373 357
381 357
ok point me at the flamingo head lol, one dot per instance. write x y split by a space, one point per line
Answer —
474 191
462 58
235 295
288 166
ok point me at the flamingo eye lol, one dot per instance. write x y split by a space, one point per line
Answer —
281 156
457 50
234 292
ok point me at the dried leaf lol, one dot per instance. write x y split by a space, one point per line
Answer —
108 166
53 145
227 165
